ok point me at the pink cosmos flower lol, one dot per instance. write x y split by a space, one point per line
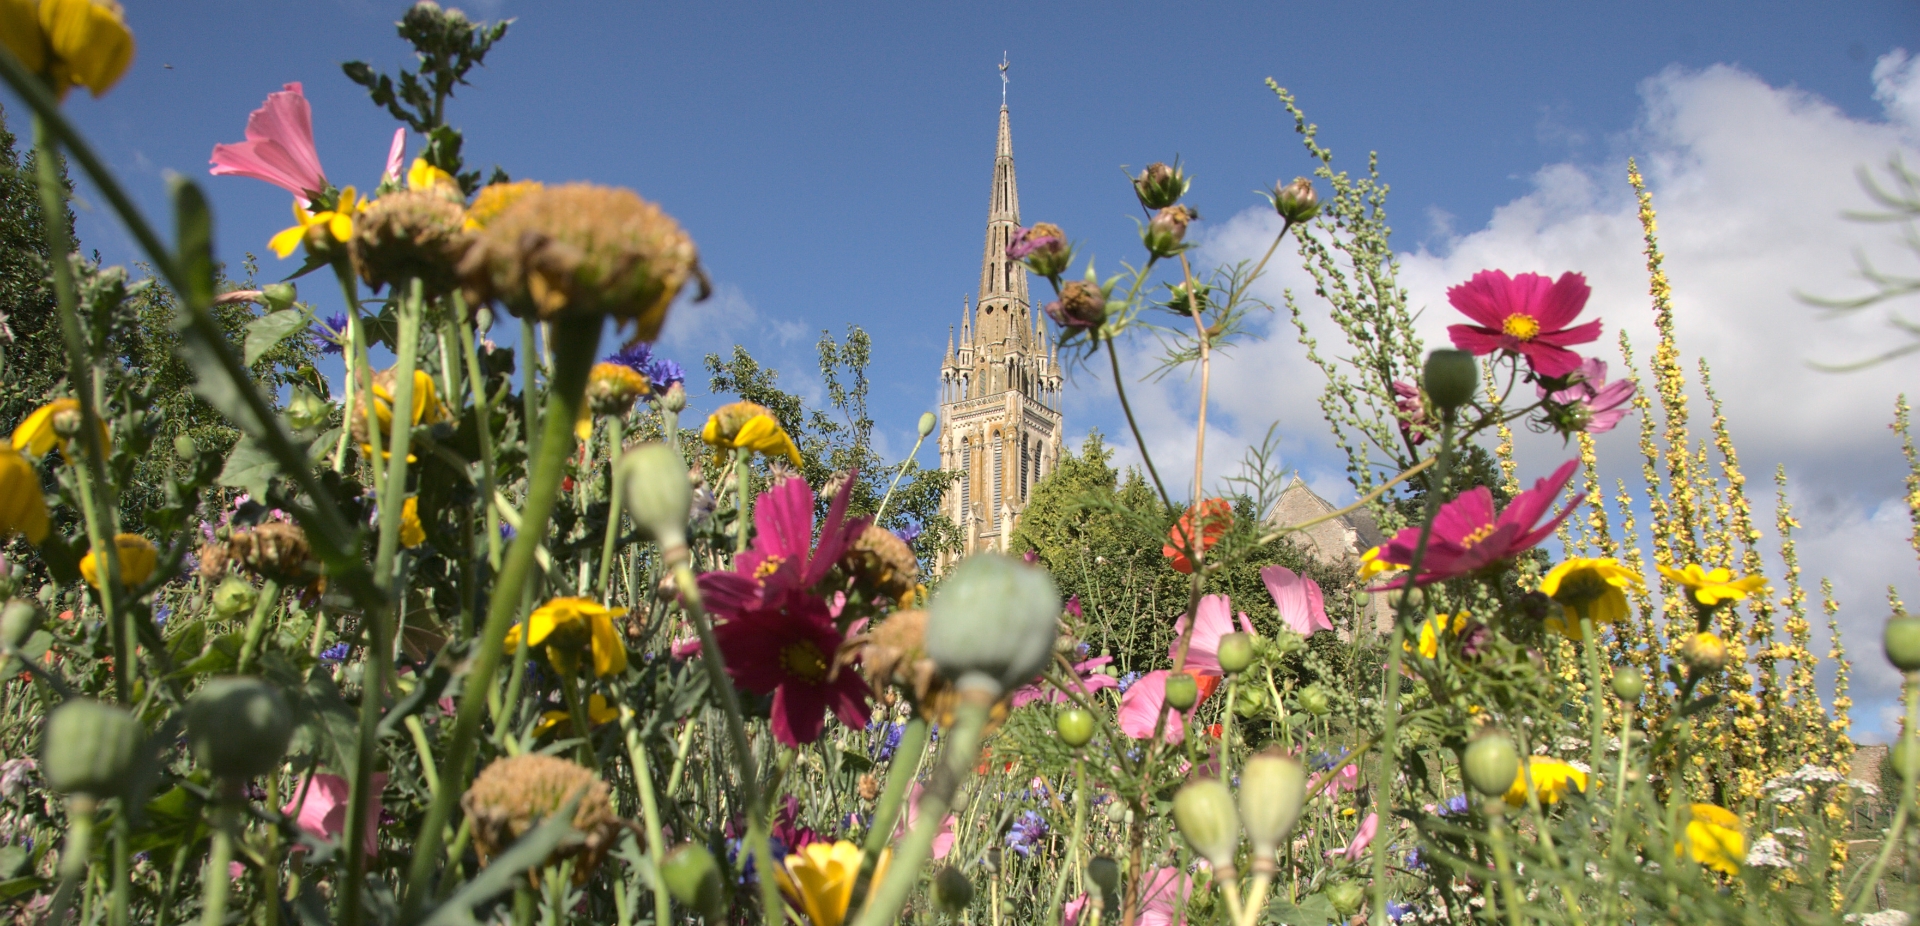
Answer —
1302 608
1087 679
783 553
279 146
1140 705
1596 405
1527 315
1467 537
1361 840
943 840
1166 891
396 157
322 809
1070 914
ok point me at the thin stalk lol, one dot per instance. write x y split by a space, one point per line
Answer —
616 435
118 907
902 471
579 337
257 626
962 747
1497 835
680 756
483 410
1120 389
213 902
393 493
740 480
1907 781
1072 862
906 763
1596 700
649 806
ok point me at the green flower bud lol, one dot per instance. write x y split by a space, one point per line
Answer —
1296 202
951 890
1236 652
1166 234
306 410
1903 642
1315 700
993 622
1182 691
279 296
1117 812
1704 653
1450 378
1629 684
91 748
238 726
928 421
1103 874
18 620
1346 897
1273 789
659 497
185 448
693 878
674 399
1075 727
1491 764
1203 810
1160 186
234 597
1251 703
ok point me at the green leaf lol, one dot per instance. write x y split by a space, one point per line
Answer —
20 887
35 647
266 332
221 655
249 467
187 642
193 232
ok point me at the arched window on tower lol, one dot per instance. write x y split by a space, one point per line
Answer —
999 474
1024 451
966 483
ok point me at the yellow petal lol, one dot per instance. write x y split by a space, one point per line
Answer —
288 240
412 534
20 32
341 226
549 720
599 711
35 435
609 651
424 176
583 425
23 507
425 397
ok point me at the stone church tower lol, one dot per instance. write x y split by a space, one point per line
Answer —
1000 422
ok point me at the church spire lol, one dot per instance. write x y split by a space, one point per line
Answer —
1004 310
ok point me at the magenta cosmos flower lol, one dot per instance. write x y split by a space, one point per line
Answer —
279 146
1527 315
1087 679
1467 537
777 634
1591 403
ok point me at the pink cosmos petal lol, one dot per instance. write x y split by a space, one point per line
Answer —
1475 340
1166 891
1213 619
1361 839
396 156
1486 297
1346 779
1467 537
1140 708
322 809
1548 360
1298 598
1567 337
279 146
1562 301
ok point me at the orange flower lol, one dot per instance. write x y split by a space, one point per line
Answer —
1215 515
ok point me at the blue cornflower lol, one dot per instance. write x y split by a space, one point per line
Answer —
1026 833
160 615
1324 760
1456 806
331 334
1396 910
507 532
908 534
1127 680
1416 861
635 357
335 653
663 373
889 742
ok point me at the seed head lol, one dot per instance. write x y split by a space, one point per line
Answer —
514 795
411 235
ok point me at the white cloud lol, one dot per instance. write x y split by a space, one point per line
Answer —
1751 183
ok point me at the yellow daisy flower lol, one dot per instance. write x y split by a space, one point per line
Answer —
23 507
745 425
1552 780
1713 587
1714 838
1597 584
819 879
43 430
412 534
337 222
424 176
598 712
138 556
1431 630
565 626
68 41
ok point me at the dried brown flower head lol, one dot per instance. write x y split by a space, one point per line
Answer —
882 564
869 787
213 560
583 249
411 234
274 549
514 795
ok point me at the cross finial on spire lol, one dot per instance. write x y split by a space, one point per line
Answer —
1003 78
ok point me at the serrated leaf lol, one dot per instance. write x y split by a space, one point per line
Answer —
266 332
249 467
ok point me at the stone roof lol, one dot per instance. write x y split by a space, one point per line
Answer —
1342 538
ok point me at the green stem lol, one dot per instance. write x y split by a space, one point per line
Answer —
680 756
902 471
962 748
616 435
741 476
1907 746
649 805
394 491
257 626
118 910
577 338
1596 699
906 763
213 904
1497 835
1073 844
483 413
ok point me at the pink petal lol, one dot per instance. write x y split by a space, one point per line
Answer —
1363 838
1213 619
396 155
1140 708
1549 360
1165 889
1298 598
1070 915
279 146
1486 298
1476 340
1561 302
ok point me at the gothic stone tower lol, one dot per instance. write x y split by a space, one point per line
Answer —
1000 422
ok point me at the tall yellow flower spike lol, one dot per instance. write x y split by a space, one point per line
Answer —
41 431
1598 584
412 534
567 625
138 556
1552 780
1714 838
744 425
23 508
819 879
1713 587
337 222
68 41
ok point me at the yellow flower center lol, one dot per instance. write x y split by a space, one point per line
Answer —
1479 534
768 567
1523 327
804 660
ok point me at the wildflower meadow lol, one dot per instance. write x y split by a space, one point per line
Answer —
519 634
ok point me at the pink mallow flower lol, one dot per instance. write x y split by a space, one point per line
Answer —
1591 403
322 809
943 840
396 157
1361 840
1467 537
1302 607
1140 706
1527 315
279 146
1087 679
1166 892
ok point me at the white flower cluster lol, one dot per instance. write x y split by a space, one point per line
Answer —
1883 918
1768 852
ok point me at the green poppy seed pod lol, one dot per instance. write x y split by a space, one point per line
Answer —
1296 202
1236 652
18 620
993 622
659 496
91 748
1450 378
1075 727
693 878
1273 789
1104 874
927 422
1182 691
1491 763
1315 700
306 410
234 597
1903 642
279 295
952 891
238 726
1203 810
1905 756
1629 684
1346 897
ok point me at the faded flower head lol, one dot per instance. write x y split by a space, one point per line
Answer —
1160 185
1043 248
514 795
274 549
412 234
882 563
1082 304
584 249
494 199
1166 234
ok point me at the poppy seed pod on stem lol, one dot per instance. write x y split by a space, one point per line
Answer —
239 727
1103 874
235 596
927 422
1902 640
1182 691
1450 377
1075 727
1629 684
1203 810
1490 764
992 625
951 890
1273 789
693 878
18 620
659 496
1235 652
91 748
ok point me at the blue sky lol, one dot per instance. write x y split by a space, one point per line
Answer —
832 162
